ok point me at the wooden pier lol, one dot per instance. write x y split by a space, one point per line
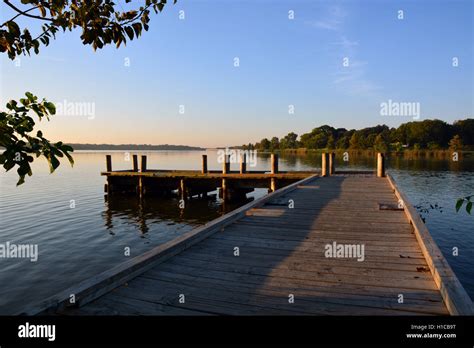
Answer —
232 185
269 257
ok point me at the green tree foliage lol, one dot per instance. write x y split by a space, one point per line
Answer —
426 134
263 145
331 142
274 144
381 144
101 22
465 129
455 144
289 141
356 141
16 128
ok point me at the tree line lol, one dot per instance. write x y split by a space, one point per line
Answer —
426 134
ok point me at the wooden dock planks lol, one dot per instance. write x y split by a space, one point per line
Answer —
282 256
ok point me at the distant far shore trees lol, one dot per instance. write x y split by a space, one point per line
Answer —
416 135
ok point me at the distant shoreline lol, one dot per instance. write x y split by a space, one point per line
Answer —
142 147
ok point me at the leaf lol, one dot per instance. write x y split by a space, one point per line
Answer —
50 107
469 207
53 163
459 204
13 28
129 32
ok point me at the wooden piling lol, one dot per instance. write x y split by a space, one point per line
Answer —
324 164
224 189
380 165
108 163
243 163
226 165
274 170
274 158
182 189
135 163
143 169
204 164
332 167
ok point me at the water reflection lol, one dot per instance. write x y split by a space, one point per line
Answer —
145 211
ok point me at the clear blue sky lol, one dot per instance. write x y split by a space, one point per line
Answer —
191 62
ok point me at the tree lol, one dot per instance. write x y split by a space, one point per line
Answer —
455 144
264 144
355 142
465 129
274 144
15 129
289 141
343 142
331 143
380 144
101 22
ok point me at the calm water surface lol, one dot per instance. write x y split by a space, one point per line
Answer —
80 234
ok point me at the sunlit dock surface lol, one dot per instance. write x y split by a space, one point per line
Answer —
270 257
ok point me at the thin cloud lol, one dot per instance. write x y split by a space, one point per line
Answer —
333 20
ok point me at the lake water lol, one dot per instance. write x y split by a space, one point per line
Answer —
80 234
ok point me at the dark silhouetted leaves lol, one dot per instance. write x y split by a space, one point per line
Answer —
19 144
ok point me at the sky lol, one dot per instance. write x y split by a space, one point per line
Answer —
330 62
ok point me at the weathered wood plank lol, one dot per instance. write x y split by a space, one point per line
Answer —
282 252
102 283
455 296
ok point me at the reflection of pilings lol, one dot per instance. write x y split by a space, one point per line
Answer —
108 214
141 216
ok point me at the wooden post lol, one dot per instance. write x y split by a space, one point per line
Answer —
182 189
226 165
204 164
324 164
380 165
243 163
135 163
274 163
108 161
143 169
225 170
273 185
332 167
274 170
224 189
